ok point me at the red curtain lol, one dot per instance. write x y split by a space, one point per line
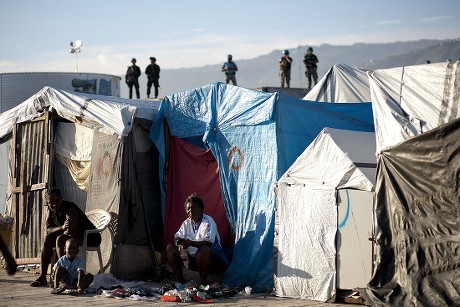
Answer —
193 169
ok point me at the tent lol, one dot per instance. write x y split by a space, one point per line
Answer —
342 83
97 150
415 242
414 99
324 217
254 137
417 190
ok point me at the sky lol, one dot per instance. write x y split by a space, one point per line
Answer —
36 35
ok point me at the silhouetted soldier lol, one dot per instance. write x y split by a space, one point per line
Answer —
310 61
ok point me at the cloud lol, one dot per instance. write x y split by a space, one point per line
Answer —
197 30
389 22
434 19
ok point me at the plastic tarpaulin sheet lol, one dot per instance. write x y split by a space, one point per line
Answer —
296 276
140 220
254 136
73 144
342 83
417 222
306 205
408 101
298 123
106 160
107 114
237 126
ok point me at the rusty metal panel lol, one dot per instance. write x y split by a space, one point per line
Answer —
30 169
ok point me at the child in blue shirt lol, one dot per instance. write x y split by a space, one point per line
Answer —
68 270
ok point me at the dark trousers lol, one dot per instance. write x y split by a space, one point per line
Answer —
156 85
285 75
136 86
311 72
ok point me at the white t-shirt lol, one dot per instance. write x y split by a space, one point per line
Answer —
206 231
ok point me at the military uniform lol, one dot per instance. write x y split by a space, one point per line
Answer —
310 61
132 79
230 69
153 75
285 70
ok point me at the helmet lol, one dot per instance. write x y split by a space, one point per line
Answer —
152 58
133 60
285 51
310 49
229 56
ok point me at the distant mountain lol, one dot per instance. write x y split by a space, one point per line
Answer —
263 70
440 51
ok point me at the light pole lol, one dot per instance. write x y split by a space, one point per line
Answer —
76 48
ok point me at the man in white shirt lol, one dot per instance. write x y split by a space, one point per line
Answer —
198 235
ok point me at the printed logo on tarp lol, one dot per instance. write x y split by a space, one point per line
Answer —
235 158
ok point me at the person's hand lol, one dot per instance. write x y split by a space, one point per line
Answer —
67 224
70 227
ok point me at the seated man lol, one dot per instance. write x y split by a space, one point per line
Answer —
65 220
199 236
69 272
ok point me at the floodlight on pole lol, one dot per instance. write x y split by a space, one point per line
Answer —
76 48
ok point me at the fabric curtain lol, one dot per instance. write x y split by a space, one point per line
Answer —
193 169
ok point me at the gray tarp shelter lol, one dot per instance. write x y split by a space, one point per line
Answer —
417 222
417 241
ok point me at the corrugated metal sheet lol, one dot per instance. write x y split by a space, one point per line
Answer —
17 87
30 179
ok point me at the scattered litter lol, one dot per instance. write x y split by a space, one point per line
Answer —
106 285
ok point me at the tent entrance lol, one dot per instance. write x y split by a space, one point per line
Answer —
193 169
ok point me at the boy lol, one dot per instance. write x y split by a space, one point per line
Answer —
68 270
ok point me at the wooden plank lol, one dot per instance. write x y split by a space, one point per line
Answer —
22 261
30 188
14 153
24 195
47 163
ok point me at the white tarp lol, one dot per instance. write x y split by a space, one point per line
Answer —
408 101
341 83
107 114
307 213
74 141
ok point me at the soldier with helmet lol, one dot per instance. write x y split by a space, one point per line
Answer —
132 79
230 69
285 68
310 61
153 75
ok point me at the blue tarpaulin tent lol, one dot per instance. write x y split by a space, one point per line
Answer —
254 137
